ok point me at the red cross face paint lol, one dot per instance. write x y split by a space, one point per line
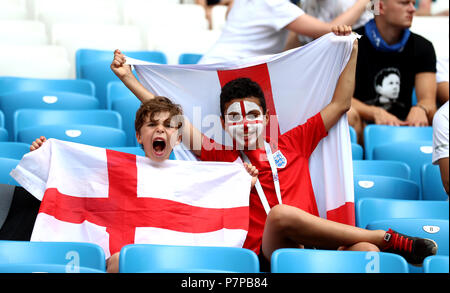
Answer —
244 122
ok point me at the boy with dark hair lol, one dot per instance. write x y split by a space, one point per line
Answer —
282 210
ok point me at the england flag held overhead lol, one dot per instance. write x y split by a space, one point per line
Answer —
297 84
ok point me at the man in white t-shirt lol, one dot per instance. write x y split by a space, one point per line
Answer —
440 143
260 27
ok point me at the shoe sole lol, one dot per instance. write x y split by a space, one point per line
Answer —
434 251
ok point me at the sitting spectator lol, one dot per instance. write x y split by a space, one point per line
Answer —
440 144
255 28
392 61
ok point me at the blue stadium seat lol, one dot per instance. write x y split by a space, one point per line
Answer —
32 117
116 90
189 58
381 168
52 257
432 187
357 151
13 150
353 136
94 65
49 100
376 135
292 260
21 84
94 135
127 108
414 153
368 210
6 165
434 229
147 258
3 134
375 186
436 264
2 119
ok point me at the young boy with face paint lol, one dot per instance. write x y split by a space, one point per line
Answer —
282 206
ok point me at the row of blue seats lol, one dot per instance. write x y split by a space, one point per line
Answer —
77 257
379 179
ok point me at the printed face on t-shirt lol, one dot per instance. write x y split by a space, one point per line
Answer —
244 121
389 89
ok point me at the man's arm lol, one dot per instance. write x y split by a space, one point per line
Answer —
313 27
191 136
422 114
341 101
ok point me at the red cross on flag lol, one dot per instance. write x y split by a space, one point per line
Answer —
91 194
297 84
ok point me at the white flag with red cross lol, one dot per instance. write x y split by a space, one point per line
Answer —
110 198
297 84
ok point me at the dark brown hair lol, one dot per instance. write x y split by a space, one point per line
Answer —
154 106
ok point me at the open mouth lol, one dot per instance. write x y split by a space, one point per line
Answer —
159 145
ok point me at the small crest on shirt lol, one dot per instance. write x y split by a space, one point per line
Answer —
280 159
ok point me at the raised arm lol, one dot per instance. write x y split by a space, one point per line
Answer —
313 27
191 136
343 93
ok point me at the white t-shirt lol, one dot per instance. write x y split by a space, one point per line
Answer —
253 28
440 134
442 69
327 10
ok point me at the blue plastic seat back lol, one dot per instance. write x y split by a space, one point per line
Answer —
2 119
147 258
189 58
61 257
291 260
13 150
116 90
94 65
432 187
6 165
31 117
21 84
353 135
3 134
45 100
94 135
376 135
127 108
368 210
357 152
85 57
414 153
373 186
436 264
434 229
382 168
